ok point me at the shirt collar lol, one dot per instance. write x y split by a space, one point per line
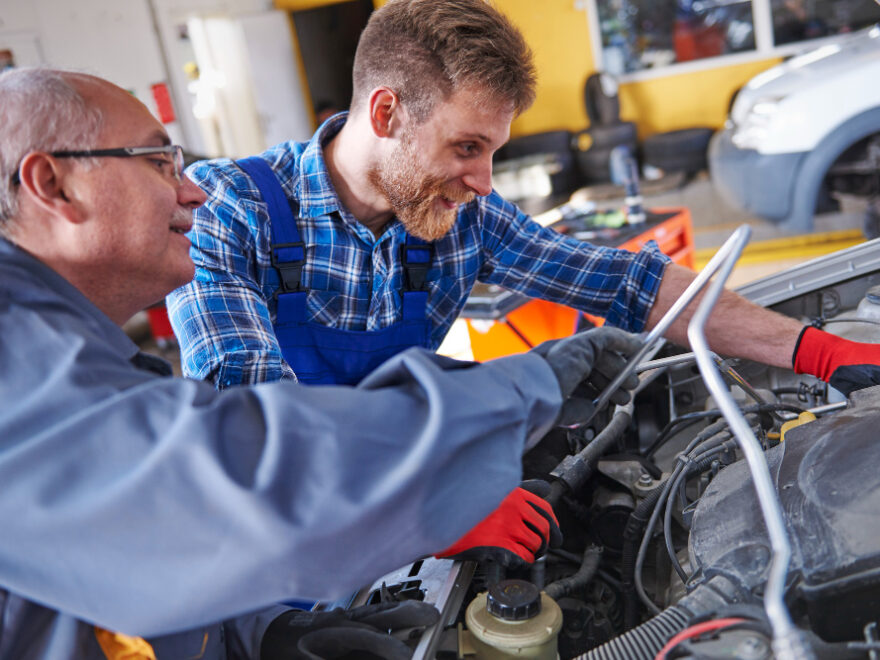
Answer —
316 194
47 286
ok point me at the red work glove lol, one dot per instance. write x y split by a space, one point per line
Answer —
514 534
845 365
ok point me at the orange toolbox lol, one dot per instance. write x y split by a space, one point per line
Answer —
501 322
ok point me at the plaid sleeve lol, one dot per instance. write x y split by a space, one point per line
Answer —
618 285
221 318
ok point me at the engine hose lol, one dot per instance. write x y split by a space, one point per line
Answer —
575 470
608 436
644 642
589 566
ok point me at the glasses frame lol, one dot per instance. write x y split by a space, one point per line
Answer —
173 150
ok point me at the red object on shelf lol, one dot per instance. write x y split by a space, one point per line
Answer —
163 103
160 326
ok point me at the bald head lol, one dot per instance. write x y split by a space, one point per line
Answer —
42 110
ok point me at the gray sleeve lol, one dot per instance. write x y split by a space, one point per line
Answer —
150 504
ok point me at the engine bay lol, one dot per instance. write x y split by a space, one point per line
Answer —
666 552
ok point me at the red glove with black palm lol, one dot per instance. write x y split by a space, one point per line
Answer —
514 534
845 365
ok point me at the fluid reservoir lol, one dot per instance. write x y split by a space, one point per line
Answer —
864 324
513 620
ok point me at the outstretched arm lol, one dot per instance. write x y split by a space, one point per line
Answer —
736 327
740 328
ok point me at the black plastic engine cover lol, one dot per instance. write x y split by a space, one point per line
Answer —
827 474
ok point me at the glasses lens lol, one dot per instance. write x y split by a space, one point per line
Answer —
178 162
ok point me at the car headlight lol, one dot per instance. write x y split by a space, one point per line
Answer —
755 123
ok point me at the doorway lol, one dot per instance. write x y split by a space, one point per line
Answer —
327 39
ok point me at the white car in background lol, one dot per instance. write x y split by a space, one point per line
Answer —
803 132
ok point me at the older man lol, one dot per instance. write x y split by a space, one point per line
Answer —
139 502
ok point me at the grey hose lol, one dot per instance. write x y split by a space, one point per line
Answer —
643 642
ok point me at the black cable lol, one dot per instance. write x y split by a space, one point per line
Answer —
670 503
643 547
667 430
667 527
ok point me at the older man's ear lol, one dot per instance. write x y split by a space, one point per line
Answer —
45 183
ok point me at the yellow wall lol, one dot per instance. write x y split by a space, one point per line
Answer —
560 40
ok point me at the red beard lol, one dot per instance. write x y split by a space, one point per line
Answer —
413 194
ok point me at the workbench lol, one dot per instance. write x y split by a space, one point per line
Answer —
502 322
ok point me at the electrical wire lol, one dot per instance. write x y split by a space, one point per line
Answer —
684 462
708 432
643 547
695 631
670 502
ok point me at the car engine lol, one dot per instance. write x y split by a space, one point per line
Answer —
667 551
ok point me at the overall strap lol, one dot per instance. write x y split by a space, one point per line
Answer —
416 257
287 250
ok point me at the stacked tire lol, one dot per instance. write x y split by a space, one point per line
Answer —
678 151
593 146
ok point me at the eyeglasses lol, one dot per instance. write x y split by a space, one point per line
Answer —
173 150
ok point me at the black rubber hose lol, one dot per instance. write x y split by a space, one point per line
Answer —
574 471
589 566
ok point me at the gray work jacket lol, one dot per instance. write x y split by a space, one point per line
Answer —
151 505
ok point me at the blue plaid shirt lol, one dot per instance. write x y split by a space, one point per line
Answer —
223 318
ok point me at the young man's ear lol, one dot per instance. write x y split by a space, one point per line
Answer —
42 179
386 113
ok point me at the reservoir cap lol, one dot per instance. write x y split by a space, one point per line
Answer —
513 600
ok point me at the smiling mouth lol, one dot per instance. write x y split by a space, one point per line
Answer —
179 230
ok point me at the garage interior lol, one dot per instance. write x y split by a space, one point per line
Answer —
633 98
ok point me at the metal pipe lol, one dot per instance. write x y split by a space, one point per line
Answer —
786 639
656 333
661 363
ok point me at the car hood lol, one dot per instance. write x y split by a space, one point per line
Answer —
812 67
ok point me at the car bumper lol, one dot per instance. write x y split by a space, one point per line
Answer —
760 184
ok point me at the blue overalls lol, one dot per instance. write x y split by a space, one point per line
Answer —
317 353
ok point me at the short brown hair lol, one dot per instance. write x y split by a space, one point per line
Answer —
426 49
